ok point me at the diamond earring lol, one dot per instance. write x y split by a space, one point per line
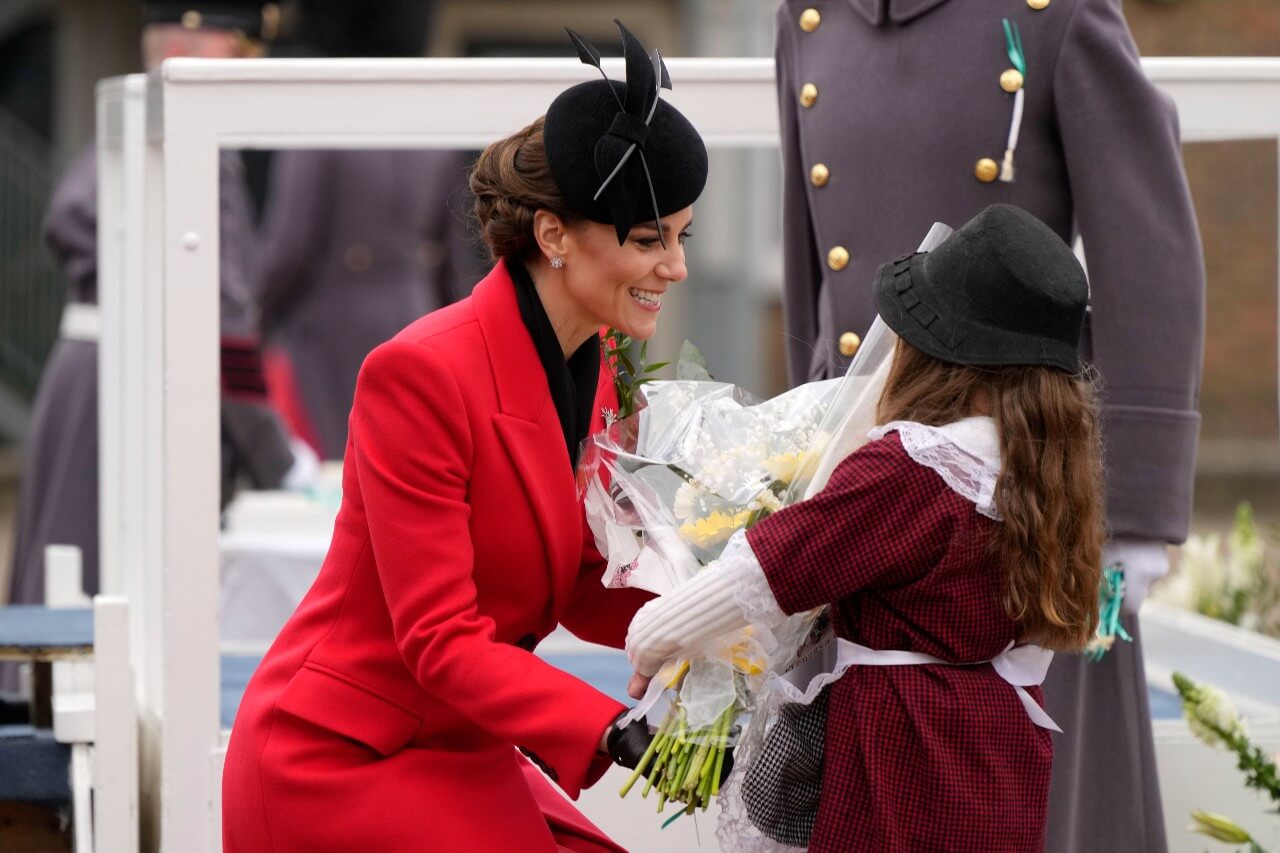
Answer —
557 263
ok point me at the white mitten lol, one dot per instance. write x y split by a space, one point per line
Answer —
708 605
1144 562
700 609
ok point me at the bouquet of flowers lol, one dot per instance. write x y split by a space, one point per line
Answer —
667 487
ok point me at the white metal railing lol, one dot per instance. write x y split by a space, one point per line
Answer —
160 336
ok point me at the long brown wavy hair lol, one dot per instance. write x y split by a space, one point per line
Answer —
1050 491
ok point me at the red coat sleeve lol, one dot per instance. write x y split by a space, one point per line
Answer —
412 447
882 520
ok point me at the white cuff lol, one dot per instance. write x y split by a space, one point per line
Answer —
1144 562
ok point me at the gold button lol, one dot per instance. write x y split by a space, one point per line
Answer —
849 343
1011 80
358 257
838 258
191 20
986 170
1037 4
819 175
808 95
810 20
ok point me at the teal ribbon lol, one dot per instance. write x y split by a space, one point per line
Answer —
1110 597
1013 43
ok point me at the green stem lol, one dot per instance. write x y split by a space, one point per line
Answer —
698 763
726 723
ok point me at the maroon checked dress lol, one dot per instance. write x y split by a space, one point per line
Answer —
925 757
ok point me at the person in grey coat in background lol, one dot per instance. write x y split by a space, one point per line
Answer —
355 244
899 113
58 504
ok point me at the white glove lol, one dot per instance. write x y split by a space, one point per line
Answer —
1144 562
305 471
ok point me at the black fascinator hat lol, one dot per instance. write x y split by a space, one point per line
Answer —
618 153
1002 290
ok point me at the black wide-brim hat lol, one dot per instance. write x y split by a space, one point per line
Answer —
246 16
1002 290
618 153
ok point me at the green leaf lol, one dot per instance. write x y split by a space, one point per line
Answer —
691 364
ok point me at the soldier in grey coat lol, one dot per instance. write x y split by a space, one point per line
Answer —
899 113
355 245
59 500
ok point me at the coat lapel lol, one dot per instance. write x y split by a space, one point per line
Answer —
529 428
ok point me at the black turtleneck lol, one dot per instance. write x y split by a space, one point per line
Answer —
572 383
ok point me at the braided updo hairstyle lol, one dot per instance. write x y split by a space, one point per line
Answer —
512 181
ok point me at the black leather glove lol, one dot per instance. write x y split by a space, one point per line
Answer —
627 745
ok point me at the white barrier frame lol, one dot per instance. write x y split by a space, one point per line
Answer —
193 108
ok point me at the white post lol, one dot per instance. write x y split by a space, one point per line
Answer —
111 375
81 796
184 168
121 155
115 746
63 577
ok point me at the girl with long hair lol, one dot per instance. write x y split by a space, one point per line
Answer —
956 550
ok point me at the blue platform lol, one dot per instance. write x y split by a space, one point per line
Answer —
607 671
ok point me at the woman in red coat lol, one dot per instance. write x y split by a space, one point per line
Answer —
393 708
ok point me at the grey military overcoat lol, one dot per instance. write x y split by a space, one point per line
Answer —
58 504
896 114
355 245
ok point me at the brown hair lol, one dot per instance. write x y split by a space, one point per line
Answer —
1050 489
511 181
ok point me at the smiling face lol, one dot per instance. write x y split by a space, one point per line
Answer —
623 286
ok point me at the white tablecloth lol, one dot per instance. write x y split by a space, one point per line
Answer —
271 550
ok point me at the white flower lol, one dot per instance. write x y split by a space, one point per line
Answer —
766 500
685 504
1213 713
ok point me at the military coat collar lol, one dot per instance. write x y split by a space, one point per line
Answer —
878 12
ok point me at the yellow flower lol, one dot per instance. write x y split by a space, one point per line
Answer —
673 678
713 529
1220 828
784 467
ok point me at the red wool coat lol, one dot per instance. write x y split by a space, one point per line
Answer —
387 714
918 758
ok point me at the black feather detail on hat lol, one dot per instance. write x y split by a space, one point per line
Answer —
618 153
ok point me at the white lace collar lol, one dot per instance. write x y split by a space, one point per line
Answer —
965 453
